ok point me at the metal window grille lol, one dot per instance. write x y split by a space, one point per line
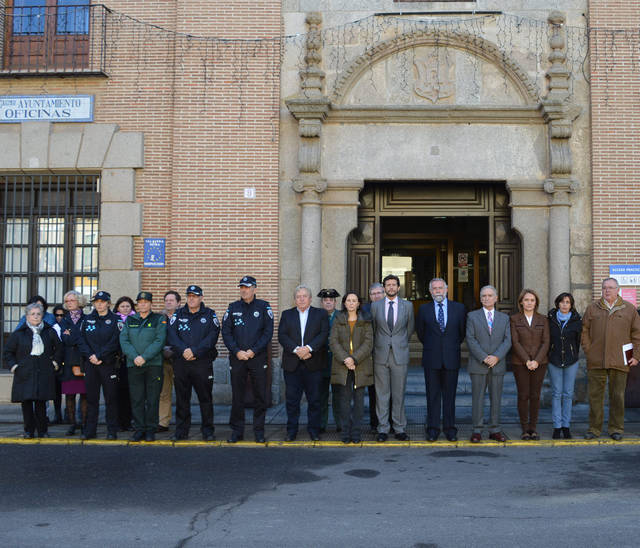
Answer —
48 240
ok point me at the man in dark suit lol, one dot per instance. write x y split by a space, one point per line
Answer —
441 329
303 333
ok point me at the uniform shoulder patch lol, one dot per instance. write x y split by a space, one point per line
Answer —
172 320
270 312
215 321
226 315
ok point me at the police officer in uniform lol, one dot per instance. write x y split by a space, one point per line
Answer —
142 340
98 343
192 334
247 329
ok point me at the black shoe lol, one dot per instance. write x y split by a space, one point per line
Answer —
72 430
432 436
566 433
356 440
260 437
179 437
235 437
557 433
112 436
346 440
314 436
452 437
161 428
402 436
44 435
88 437
149 436
291 437
382 437
208 437
28 435
616 436
138 435
590 436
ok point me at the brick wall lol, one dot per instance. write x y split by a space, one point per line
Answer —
615 105
209 113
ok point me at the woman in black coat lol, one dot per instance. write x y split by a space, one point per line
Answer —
565 328
32 353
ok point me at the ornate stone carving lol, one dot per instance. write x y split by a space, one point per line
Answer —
433 81
474 44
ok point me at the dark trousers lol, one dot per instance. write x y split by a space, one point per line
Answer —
351 415
145 385
124 399
325 388
199 377
529 385
104 376
441 385
296 383
373 417
34 415
240 370
57 401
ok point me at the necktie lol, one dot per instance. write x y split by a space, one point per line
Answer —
441 317
390 316
490 320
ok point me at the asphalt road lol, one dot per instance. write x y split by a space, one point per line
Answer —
409 497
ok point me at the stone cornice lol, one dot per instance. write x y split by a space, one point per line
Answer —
302 107
360 114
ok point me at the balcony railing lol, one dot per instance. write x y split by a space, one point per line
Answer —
66 38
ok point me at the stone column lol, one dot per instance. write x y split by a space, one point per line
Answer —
559 117
310 108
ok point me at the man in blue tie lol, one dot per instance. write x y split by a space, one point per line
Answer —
441 327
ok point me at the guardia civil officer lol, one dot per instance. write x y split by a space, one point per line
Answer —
99 346
247 328
142 340
192 334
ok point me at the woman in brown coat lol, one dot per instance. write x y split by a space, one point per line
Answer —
529 349
351 343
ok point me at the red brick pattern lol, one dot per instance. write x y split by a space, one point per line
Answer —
615 109
209 113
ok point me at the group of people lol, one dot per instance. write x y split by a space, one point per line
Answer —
136 356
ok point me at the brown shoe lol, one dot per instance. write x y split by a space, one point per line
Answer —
476 438
498 436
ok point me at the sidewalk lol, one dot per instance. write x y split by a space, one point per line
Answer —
415 403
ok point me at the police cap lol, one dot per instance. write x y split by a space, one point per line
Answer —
101 296
195 290
144 296
248 281
328 294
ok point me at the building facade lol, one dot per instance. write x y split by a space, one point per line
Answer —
443 139
181 149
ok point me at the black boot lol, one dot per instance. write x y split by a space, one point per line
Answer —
566 433
556 433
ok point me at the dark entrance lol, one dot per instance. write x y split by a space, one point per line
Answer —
457 231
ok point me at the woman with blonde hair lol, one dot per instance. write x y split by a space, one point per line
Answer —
529 358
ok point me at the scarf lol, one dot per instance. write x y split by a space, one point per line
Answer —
75 315
563 318
124 317
37 346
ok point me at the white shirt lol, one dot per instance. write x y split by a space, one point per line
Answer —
486 314
529 319
303 316
395 309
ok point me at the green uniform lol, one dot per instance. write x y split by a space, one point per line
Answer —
146 338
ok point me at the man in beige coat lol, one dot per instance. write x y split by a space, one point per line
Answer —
608 324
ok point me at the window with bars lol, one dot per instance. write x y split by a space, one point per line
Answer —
49 239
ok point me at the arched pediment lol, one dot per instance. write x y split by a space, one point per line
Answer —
428 68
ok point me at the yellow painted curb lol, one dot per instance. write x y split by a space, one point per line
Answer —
418 444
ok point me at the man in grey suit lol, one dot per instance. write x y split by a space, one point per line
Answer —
489 340
393 325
